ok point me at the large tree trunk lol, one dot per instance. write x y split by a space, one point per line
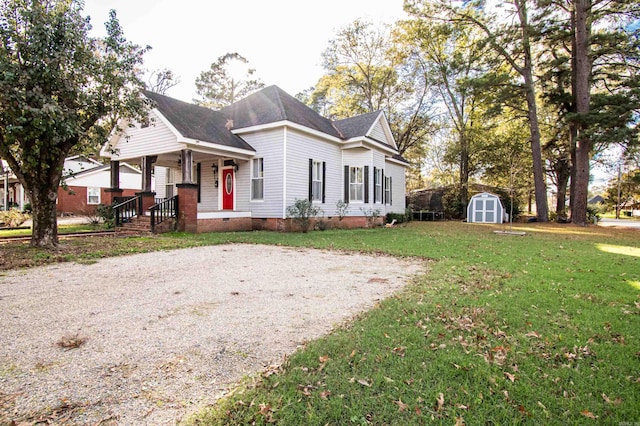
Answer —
563 173
44 214
42 185
464 174
582 72
542 206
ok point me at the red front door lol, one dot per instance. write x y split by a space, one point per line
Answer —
227 189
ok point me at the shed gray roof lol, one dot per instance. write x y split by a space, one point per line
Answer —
272 104
196 122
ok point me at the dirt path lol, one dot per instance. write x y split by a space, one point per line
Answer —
166 333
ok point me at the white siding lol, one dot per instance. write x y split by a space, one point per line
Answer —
243 186
270 146
160 175
152 140
300 148
377 133
378 163
208 191
102 179
358 157
397 173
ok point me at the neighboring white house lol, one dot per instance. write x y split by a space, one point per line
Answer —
485 208
248 162
82 188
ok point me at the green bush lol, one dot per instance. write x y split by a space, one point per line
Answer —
302 211
107 214
398 217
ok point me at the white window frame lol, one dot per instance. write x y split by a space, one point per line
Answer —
93 192
316 181
387 189
257 178
377 186
170 185
356 184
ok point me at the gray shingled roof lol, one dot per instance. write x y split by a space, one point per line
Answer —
273 104
269 105
196 122
356 126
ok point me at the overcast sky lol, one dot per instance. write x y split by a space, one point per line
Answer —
282 39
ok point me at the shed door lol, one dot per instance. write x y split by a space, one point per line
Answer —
227 189
478 210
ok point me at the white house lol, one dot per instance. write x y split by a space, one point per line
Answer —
239 168
83 187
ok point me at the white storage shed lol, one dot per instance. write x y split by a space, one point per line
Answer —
485 208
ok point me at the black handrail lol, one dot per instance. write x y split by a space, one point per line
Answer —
127 209
163 210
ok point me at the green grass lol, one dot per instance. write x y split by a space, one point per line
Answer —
540 329
62 229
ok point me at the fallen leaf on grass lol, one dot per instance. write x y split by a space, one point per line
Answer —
363 382
510 377
400 351
325 394
459 421
401 405
264 409
324 358
440 402
588 414
532 334
608 400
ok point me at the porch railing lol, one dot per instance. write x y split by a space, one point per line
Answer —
126 208
163 210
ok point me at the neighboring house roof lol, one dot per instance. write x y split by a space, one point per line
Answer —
127 169
79 163
196 122
272 105
595 200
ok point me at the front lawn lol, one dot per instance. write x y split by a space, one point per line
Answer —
540 329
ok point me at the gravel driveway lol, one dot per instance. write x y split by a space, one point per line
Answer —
168 332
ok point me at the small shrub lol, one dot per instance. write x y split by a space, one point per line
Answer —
342 208
593 214
27 208
398 217
302 211
13 218
106 213
371 215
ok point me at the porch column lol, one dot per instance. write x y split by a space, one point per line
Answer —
187 165
187 207
148 196
114 191
6 190
146 165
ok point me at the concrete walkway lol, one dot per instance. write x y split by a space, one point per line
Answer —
622 223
